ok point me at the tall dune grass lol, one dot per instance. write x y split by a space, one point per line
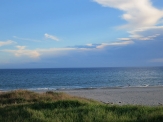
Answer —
27 106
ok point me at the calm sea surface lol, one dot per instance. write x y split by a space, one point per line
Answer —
72 78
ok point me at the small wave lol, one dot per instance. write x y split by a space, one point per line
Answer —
41 89
145 85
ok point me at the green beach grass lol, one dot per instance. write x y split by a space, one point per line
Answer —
28 106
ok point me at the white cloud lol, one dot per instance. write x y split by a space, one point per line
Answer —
21 47
122 43
22 51
37 53
26 39
124 39
2 43
147 33
51 37
89 45
148 37
138 13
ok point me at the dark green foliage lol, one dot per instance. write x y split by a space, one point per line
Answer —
26 106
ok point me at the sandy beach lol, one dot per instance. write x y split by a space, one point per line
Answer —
151 96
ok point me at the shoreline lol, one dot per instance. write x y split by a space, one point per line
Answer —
79 88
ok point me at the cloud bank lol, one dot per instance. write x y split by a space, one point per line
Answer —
147 33
143 19
22 51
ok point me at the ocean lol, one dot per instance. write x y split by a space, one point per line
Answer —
79 78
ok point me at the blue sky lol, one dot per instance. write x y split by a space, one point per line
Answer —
81 33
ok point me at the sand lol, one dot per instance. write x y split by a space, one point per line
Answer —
151 96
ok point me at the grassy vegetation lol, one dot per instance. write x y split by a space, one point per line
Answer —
27 106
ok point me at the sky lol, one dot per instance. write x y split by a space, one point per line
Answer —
81 33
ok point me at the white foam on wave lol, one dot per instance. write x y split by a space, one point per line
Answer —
41 89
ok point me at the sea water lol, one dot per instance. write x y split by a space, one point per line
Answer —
78 78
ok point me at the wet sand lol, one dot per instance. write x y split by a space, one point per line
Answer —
152 96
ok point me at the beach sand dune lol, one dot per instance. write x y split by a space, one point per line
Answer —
152 96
